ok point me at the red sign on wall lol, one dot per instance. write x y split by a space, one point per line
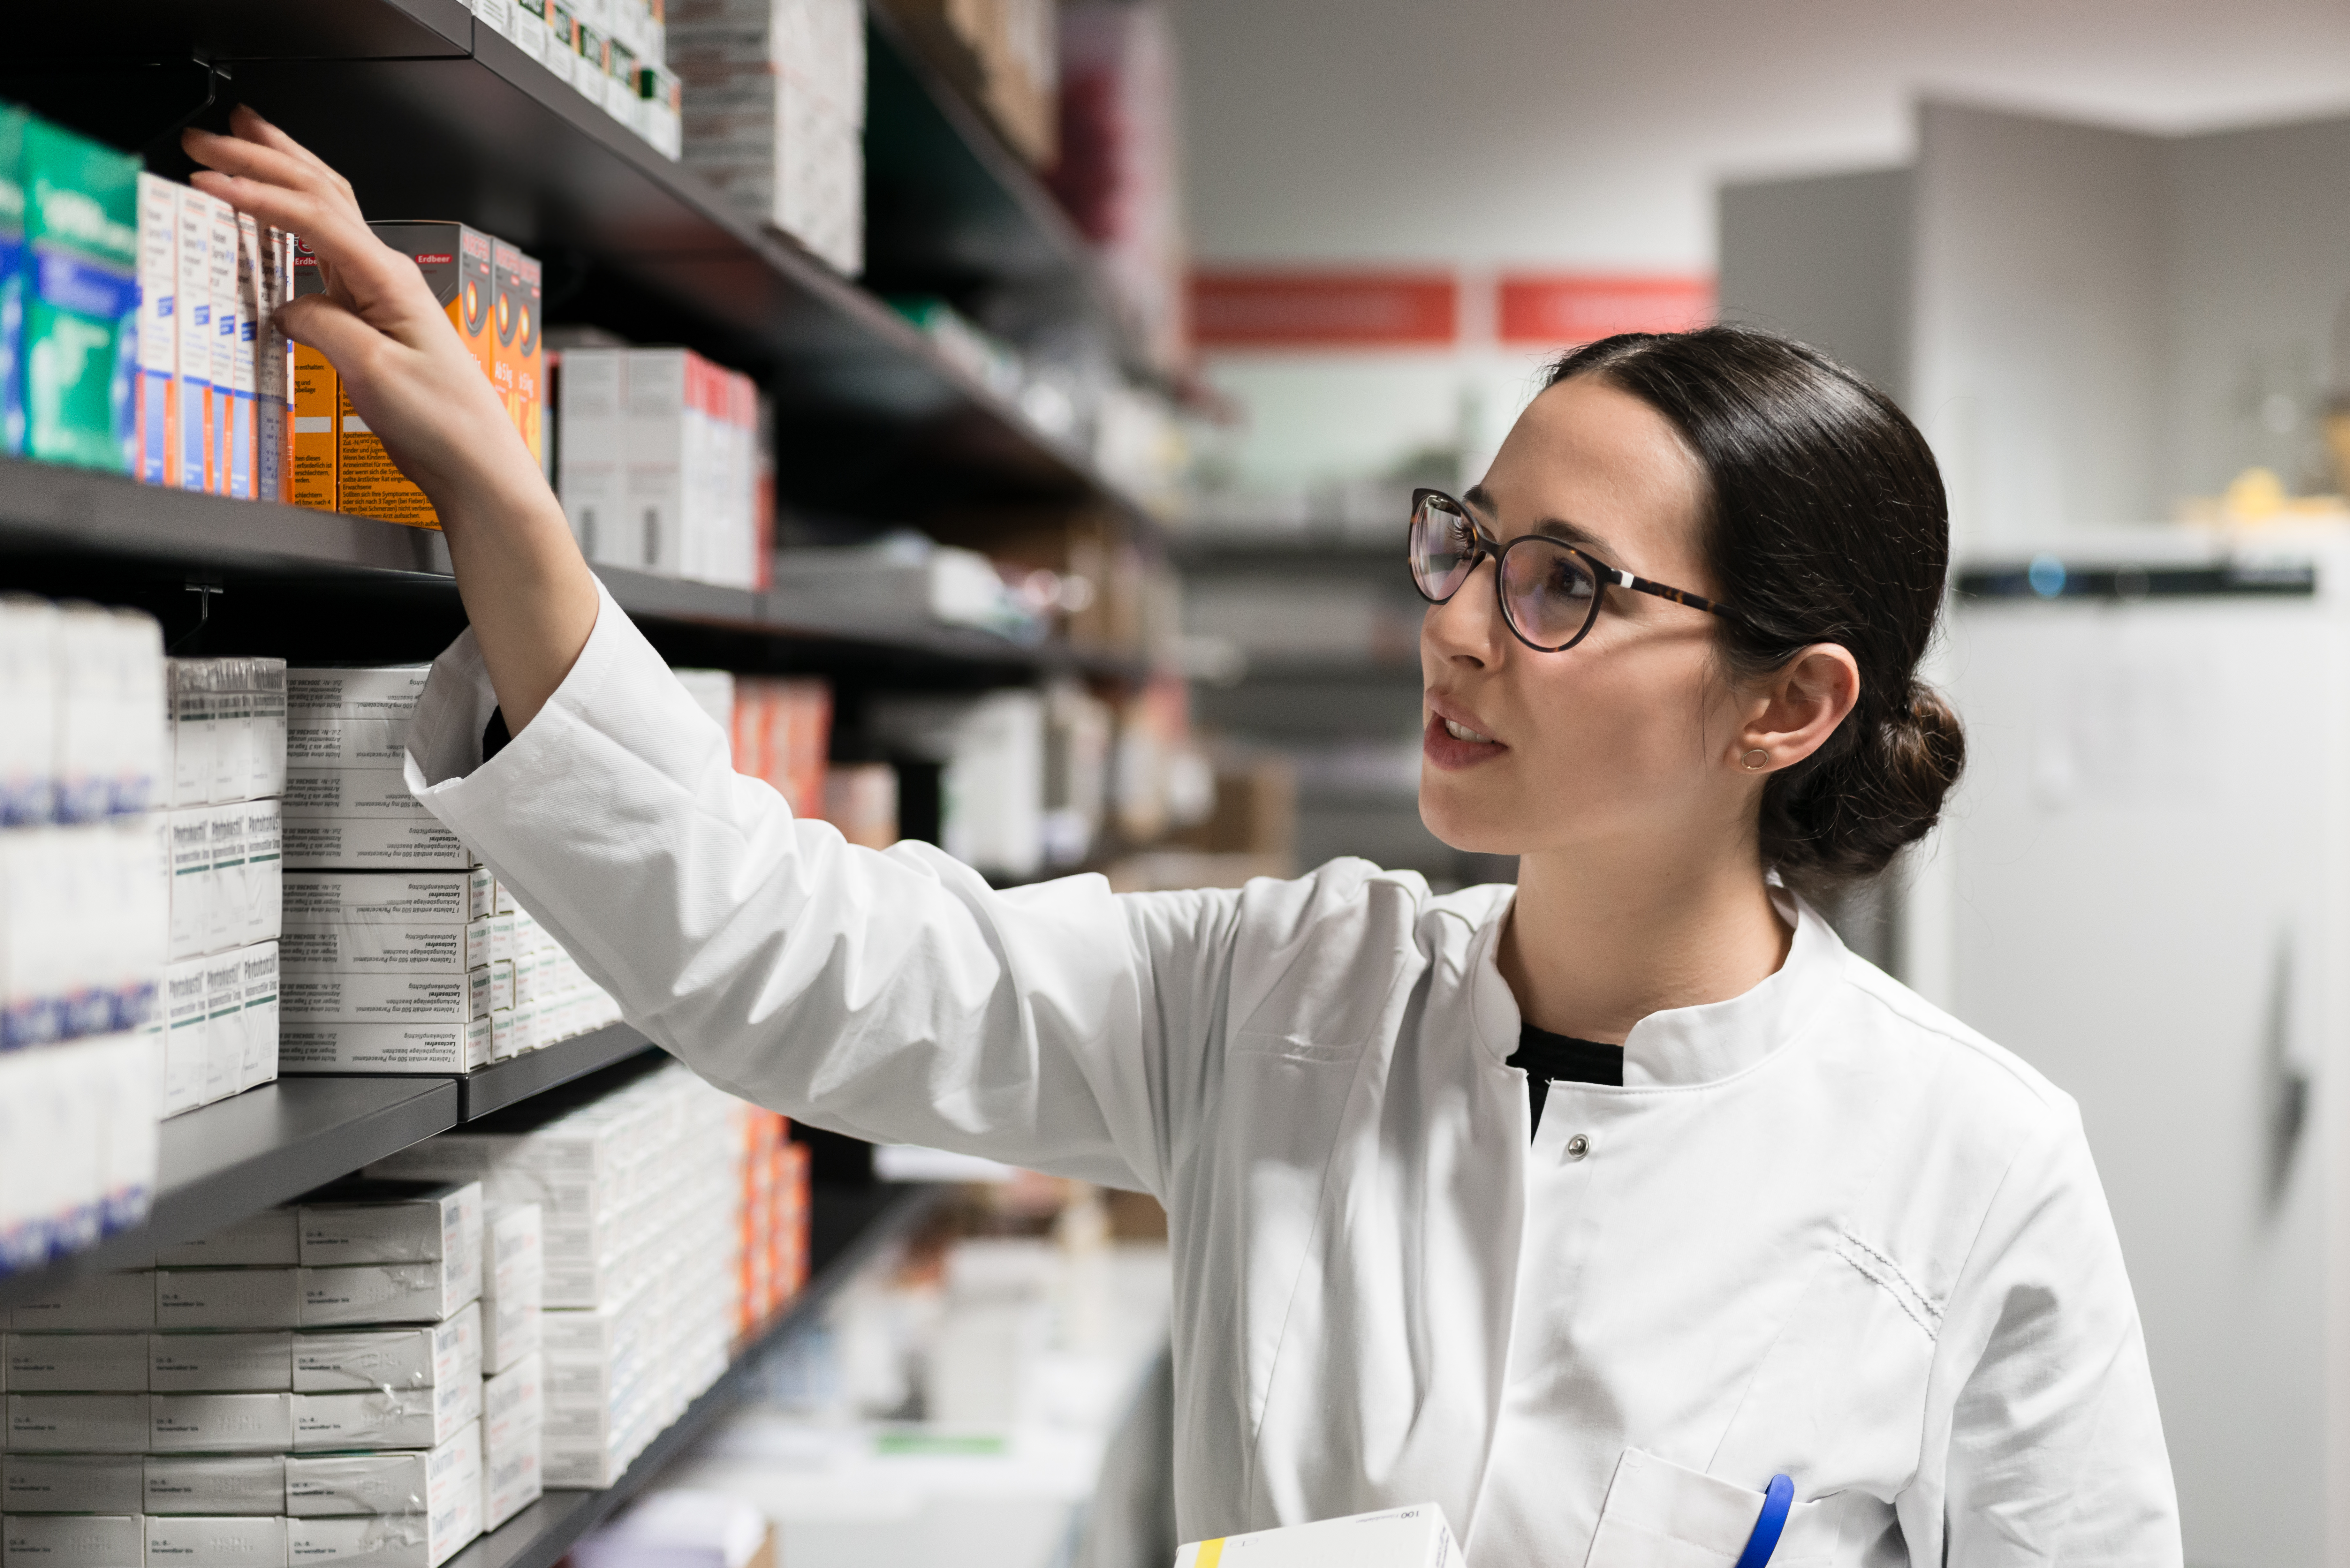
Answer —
1325 309
1556 309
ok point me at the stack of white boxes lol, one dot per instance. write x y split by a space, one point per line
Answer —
774 113
640 1191
302 1387
83 918
400 953
514 1391
224 838
662 464
609 50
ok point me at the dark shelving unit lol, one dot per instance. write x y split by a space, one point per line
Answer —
516 1079
855 1227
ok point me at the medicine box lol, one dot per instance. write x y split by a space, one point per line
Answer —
1413 1537
385 1540
511 1482
390 1358
381 948
220 269
220 1363
383 1223
308 997
389 1293
348 791
421 1482
228 1298
66 1540
443 1047
78 1423
380 1418
216 1483
158 391
223 1423
195 1541
70 1483
245 426
341 743
80 302
192 341
513 1407
317 397
456 262
77 1362
266 1240
373 843
413 899
514 1284
317 692
100 1304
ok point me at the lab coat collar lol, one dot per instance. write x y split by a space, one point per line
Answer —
1684 1046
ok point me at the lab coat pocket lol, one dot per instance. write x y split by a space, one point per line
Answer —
1660 1515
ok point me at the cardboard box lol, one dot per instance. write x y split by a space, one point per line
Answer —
380 844
220 273
78 1423
511 1482
371 1294
1413 1537
349 792
387 1419
223 1026
158 274
385 1222
336 742
315 693
274 372
245 412
77 1362
514 1284
70 1483
395 1358
222 1423
220 1363
78 354
384 1541
514 1407
417 1483
87 1541
383 1047
103 1303
516 365
269 1238
318 400
412 898
241 1483
228 1298
306 997
192 342
190 1541
260 963
381 948
457 266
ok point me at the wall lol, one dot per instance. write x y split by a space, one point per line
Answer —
1825 259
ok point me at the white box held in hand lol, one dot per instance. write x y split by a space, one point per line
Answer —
421 1482
1412 1537
396 1359
71 1541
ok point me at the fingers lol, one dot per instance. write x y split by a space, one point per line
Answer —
252 160
247 122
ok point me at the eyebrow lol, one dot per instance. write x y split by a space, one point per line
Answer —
1558 528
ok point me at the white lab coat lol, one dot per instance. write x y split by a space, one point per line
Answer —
1829 1232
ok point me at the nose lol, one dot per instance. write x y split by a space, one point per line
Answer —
1465 630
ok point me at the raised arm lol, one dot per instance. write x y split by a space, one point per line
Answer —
528 592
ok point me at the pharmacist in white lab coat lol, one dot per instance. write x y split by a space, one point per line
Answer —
1583 1208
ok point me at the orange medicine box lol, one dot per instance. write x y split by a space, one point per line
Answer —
520 363
318 397
456 262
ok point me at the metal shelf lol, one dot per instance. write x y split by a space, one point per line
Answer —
255 1149
507 1083
854 1226
75 530
428 115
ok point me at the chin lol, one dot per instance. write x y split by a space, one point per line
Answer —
1446 812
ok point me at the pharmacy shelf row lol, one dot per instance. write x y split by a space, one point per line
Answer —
852 1228
428 114
71 531
271 1144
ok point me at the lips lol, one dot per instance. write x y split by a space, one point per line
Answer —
1447 744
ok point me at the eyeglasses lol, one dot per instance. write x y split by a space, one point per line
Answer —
1549 589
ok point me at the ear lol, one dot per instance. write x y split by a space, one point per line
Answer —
1791 713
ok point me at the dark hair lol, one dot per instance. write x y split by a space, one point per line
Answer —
1828 524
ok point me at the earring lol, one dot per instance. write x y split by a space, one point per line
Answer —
1756 761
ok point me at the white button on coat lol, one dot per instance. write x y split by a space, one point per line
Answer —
1822 1228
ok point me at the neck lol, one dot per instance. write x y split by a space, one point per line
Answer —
1597 942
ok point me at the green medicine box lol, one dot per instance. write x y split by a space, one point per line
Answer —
80 281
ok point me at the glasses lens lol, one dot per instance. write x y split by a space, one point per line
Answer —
1549 592
1443 546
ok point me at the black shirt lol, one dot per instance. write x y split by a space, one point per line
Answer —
1550 1059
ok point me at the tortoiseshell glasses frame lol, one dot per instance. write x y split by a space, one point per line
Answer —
1548 582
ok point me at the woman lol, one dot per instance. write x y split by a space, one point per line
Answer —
1584 1208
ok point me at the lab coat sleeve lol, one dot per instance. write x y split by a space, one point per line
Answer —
894 996
2055 1452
